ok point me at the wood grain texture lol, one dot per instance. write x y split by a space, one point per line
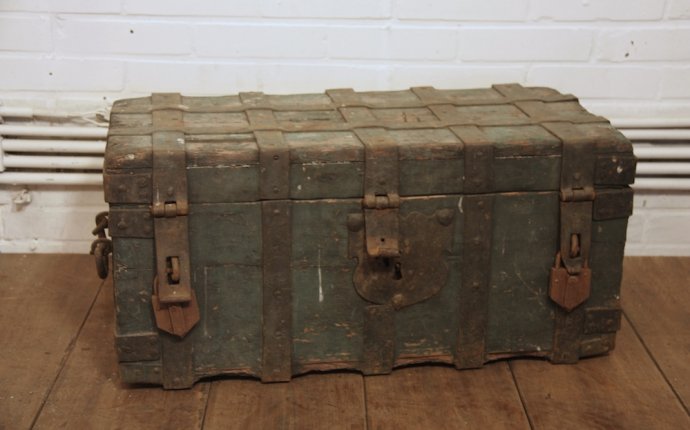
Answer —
623 390
436 397
89 395
315 401
44 301
656 299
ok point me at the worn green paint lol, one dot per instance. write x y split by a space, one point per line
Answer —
326 184
228 336
133 273
525 234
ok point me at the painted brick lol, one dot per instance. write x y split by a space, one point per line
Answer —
635 228
45 246
679 9
192 78
593 10
524 44
25 34
675 82
616 108
422 44
467 10
659 44
66 224
460 76
260 41
47 198
290 78
234 8
643 249
121 37
599 82
668 227
65 6
326 8
358 42
37 74
655 200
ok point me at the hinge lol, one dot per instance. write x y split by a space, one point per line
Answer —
381 199
381 225
173 300
571 277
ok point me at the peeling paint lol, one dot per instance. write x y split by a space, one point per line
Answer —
318 262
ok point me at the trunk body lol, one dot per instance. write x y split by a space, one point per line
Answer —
276 235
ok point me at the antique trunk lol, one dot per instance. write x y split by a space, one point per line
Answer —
276 235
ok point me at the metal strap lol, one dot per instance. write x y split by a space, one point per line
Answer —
274 165
277 291
170 202
344 97
381 204
381 199
378 352
174 301
476 274
570 280
176 359
479 160
577 193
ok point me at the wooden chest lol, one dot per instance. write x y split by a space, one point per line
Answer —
274 235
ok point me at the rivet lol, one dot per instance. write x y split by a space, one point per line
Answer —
397 300
276 189
122 225
444 216
171 191
121 187
354 222
276 157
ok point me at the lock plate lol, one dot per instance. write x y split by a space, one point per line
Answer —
418 272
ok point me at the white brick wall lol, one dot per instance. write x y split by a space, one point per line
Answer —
623 58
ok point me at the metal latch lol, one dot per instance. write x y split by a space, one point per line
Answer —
571 278
381 225
173 300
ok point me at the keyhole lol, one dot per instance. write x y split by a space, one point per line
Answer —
397 274
574 245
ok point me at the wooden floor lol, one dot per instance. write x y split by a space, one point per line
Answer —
58 370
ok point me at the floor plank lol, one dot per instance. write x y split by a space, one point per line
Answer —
44 301
656 299
316 401
436 397
623 390
88 394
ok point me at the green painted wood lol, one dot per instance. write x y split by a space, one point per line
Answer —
227 339
326 184
133 273
524 243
